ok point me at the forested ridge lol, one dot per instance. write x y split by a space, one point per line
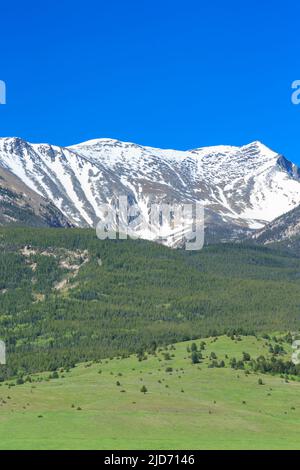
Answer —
66 296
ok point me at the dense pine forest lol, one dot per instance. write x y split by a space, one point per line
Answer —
66 296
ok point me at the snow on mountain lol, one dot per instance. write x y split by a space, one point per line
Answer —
20 205
243 188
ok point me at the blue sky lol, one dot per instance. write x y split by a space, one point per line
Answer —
176 74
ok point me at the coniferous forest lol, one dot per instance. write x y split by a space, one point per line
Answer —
66 296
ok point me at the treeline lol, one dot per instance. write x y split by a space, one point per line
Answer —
275 365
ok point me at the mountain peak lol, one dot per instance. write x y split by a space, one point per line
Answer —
241 187
13 140
256 143
91 142
259 148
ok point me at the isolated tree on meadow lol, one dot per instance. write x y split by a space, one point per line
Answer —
195 357
246 357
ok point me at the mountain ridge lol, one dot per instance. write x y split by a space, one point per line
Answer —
283 228
243 188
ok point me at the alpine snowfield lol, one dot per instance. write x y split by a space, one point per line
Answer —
243 188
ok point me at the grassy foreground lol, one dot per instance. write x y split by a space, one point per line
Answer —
192 406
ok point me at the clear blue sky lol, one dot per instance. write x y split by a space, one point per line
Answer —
167 73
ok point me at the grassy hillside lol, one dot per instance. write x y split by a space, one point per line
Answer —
186 406
67 297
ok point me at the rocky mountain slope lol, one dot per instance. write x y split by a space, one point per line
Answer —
21 205
283 228
242 188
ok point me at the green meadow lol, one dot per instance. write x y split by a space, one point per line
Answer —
156 401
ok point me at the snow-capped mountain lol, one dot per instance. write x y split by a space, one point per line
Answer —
243 188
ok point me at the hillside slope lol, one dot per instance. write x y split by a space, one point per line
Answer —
66 297
20 205
186 406
284 228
